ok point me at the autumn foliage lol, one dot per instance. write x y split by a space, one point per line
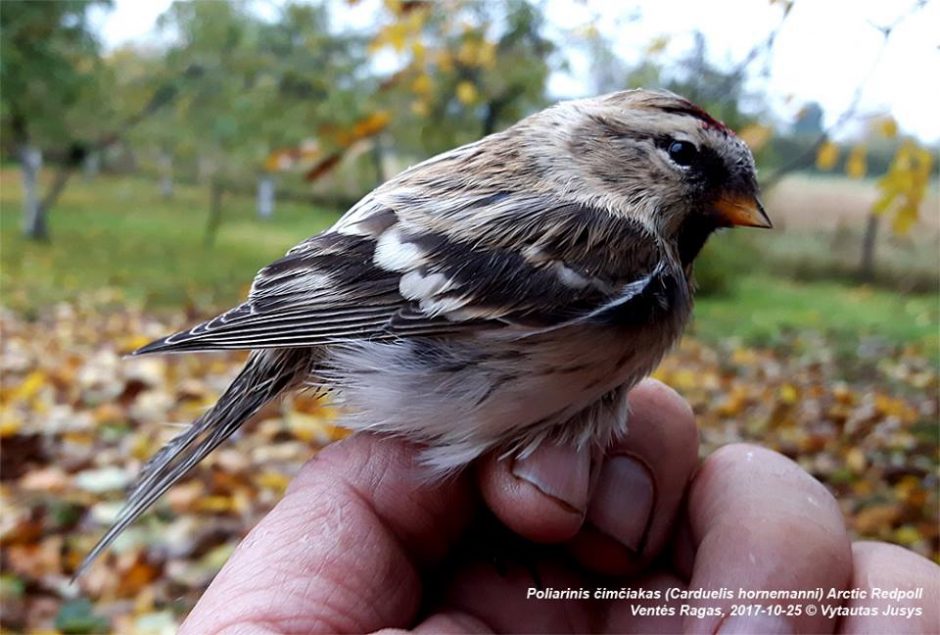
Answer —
902 187
78 420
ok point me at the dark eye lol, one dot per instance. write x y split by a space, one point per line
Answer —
682 153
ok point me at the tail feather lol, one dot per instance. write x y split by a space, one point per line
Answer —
265 376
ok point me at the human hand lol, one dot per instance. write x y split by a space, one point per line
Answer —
359 543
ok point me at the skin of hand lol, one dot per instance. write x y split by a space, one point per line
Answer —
359 544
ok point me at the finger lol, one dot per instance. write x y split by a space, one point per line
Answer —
758 522
510 601
451 622
902 592
547 496
641 484
343 550
542 497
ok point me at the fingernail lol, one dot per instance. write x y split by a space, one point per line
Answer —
623 501
560 472
756 625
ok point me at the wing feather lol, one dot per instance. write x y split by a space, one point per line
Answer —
391 268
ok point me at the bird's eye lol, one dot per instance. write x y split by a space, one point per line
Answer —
682 152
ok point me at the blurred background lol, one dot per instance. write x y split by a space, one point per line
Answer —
155 155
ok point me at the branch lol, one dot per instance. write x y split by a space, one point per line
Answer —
58 184
162 96
766 46
850 112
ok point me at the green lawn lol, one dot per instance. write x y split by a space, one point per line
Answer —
760 307
117 233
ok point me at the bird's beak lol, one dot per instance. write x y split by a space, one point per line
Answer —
743 210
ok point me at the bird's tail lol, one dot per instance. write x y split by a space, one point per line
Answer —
265 376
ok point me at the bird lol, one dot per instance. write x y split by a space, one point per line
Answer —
501 295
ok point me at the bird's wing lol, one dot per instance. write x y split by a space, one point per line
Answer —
391 269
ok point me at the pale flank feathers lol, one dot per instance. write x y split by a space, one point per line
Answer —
494 297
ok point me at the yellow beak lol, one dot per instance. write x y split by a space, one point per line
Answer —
742 210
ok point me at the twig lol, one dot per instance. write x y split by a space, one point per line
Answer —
850 112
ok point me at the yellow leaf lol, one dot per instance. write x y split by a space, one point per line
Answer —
417 15
756 136
422 84
682 379
788 394
887 127
907 535
658 45
140 448
467 92
420 108
855 460
418 51
278 160
273 480
905 218
827 156
733 403
31 385
924 159
904 156
911 490
395 35
10 425
743 356
444 61
367 127
310 428
897 181
856 165
214 504
468 54
132 343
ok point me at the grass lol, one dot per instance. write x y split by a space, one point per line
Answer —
118 233
760 307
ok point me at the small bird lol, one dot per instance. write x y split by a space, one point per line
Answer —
498 296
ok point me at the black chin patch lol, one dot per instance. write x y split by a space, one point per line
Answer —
693 233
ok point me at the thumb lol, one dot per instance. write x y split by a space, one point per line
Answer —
345 548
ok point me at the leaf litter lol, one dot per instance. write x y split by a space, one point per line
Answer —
78 419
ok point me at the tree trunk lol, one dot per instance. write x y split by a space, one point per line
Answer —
215 212
205 169
495 107
91 166
34 221
490 117
165 163
265 200
35 211
866 268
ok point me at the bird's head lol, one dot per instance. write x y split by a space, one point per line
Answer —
655 156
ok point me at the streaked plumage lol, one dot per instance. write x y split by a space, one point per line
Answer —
496 296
